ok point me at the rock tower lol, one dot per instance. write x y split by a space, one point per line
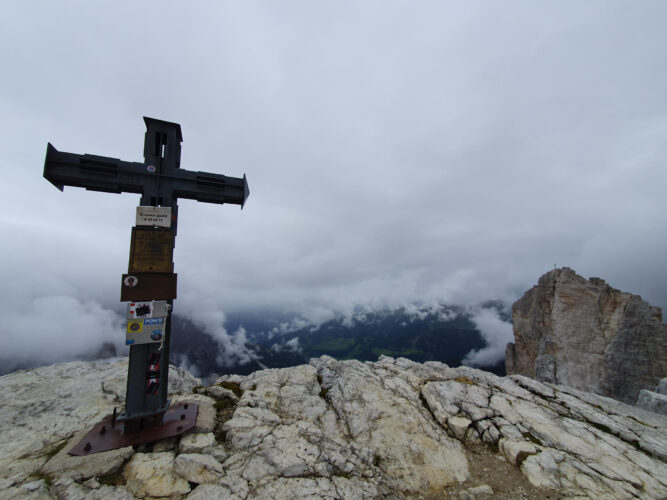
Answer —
587 335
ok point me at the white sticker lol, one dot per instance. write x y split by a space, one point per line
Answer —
131 281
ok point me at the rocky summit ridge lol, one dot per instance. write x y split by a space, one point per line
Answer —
334 429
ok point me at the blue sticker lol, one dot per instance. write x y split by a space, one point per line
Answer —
128 342
154 321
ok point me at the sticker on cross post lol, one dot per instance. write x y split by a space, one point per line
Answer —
146 330
130 281
153 374
152 388
154 359
147 309
135 325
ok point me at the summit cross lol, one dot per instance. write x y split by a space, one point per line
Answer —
161 182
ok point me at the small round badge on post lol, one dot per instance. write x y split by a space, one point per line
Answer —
151 169
130 281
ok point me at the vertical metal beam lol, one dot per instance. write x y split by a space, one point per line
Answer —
162 150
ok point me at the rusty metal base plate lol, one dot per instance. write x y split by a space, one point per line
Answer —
103 437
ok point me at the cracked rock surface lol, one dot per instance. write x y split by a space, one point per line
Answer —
337 429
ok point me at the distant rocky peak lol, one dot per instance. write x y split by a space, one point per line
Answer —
587 335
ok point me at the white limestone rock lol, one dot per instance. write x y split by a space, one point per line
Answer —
237 485
213 491
163 445
195 443
481 491
353 424
14 492
662 387
217 452
652 401
382 411
346 429
92 483
66 488
516 451
33 490
16 472
153 475
56 402
458 426
198 468
316 488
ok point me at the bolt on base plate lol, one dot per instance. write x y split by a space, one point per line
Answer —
104 437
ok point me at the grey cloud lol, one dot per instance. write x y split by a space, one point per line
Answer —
49 329
446 152
497 334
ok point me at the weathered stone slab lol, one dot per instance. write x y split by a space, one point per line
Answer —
458 426
652 401
211 491
316 488
413 451
195 443
34 490
662 387
516 451
168 444
198 468
153 475
67 489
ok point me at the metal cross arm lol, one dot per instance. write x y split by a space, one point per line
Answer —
159 179
95 173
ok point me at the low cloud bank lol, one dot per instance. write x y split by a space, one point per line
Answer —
55 328
232 346
496 332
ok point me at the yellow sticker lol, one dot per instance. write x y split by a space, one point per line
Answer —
135 326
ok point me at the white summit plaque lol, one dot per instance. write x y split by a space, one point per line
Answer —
154 216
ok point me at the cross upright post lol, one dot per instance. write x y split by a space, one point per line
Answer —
162 149
160 181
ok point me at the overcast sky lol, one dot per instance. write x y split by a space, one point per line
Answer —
395 152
